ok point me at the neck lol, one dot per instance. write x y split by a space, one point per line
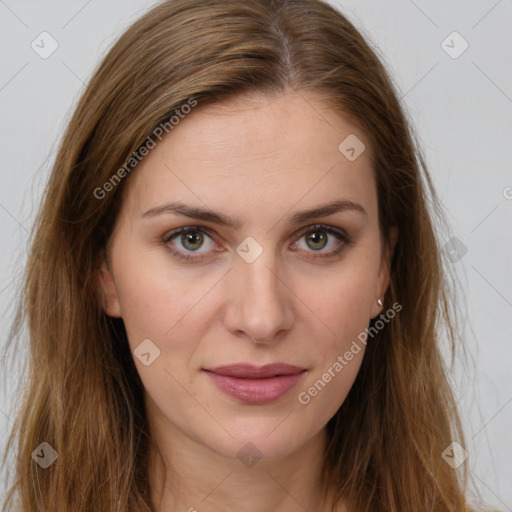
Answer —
198 479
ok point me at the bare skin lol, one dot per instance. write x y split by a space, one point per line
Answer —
259 160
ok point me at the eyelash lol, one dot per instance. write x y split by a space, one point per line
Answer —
340 235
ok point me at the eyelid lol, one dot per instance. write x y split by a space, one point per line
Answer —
324 227
343 237
185 229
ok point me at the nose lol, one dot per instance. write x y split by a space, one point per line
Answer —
260 302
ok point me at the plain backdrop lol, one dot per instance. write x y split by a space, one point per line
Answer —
460 104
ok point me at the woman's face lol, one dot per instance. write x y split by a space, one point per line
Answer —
256 280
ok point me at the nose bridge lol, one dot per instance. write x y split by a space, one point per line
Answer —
260 305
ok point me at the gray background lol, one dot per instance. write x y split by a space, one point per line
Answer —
460 108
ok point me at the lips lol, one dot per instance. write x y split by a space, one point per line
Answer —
255 384
247 371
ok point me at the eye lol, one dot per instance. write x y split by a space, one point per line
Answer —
319 237
186 243
190 239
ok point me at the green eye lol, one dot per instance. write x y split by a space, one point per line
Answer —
194 238
319 241
191 239
186 243
318 238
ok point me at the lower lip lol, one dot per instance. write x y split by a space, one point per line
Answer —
255 391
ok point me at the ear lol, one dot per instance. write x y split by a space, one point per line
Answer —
106 289
384 272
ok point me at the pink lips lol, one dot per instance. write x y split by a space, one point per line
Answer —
256 385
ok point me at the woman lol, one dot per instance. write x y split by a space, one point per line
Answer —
235 288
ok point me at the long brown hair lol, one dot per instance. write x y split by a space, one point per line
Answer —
84 397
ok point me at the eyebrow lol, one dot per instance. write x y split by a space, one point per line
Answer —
206 215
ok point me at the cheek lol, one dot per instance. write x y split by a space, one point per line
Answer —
342 301
153 301
344 310
164 308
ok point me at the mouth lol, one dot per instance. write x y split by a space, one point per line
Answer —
256 384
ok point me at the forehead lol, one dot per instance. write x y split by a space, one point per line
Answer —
254 150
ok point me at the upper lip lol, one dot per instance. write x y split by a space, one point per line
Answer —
244 370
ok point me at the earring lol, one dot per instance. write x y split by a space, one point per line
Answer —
379 302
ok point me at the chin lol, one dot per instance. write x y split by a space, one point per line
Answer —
255 440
